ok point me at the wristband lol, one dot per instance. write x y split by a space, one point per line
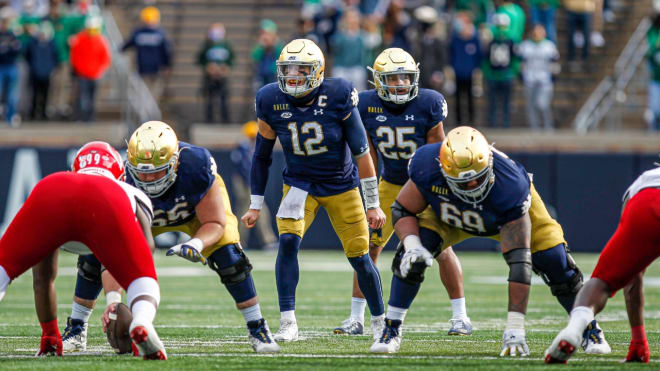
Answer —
515 321
370 192
256 202
112 297
195 243
412 241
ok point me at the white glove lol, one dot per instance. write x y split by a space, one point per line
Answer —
514 343
191 250
415 252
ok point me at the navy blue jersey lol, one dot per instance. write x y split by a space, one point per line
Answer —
509 199
314 140
397 134
195 175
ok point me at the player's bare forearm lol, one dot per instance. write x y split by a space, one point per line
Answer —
516 234
43 281
436 134
406 226
210 233
145 225
373 154
365 166
212 216
109 282
265 130
634 294
413 202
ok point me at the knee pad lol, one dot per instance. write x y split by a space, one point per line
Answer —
416 273
567 288
231 264
89 268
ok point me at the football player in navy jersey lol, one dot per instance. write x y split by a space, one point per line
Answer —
475 190
318 125
189 196
400 117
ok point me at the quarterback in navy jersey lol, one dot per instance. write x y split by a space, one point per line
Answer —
399 117
189 196
319 128
475 190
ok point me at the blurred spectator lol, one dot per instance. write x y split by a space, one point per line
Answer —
465 58
153 51
430 50
265 54
480 9
539 59
216 57
90 59
543 12
653 56
596 37
241 157
305 30
28 22
372 39
326 22
395 27
516 14
580 13
10 49
42 59
349 51
500 68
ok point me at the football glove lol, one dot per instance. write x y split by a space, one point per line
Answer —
51 345
414 254
638 351
190 250
514 343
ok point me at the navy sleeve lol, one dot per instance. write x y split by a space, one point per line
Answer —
258 105
349 97
362 105
355 134
261 160
438 111
205 170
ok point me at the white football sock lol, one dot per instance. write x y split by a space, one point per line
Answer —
80 312
580 318
289 315
396 313
4 282
358 305
458 308
252 313
143 311
143 286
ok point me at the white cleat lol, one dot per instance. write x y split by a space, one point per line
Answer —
260 337
390 339
288 331
594 340
146 340
377 326
563 346
75 336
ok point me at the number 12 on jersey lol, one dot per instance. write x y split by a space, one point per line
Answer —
310 146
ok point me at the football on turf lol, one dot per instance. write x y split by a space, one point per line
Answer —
118 329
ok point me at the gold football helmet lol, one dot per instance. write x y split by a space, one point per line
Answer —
300 68
466 161
153 148
390 64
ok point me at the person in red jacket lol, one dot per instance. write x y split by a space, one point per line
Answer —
90 59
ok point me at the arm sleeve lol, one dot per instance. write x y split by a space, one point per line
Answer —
261 160
438 111
355 134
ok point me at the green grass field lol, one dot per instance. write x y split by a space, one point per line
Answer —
202 329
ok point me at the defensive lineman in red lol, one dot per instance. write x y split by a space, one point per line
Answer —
634 245
92 207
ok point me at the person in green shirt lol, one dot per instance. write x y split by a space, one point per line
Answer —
516 15
480 9
216 58
653 56
265 54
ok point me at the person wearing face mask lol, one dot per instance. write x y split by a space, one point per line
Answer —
41 56
216 58
540 62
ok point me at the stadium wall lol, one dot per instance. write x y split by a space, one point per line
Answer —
582 190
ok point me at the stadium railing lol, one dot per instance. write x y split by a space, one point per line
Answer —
611 89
